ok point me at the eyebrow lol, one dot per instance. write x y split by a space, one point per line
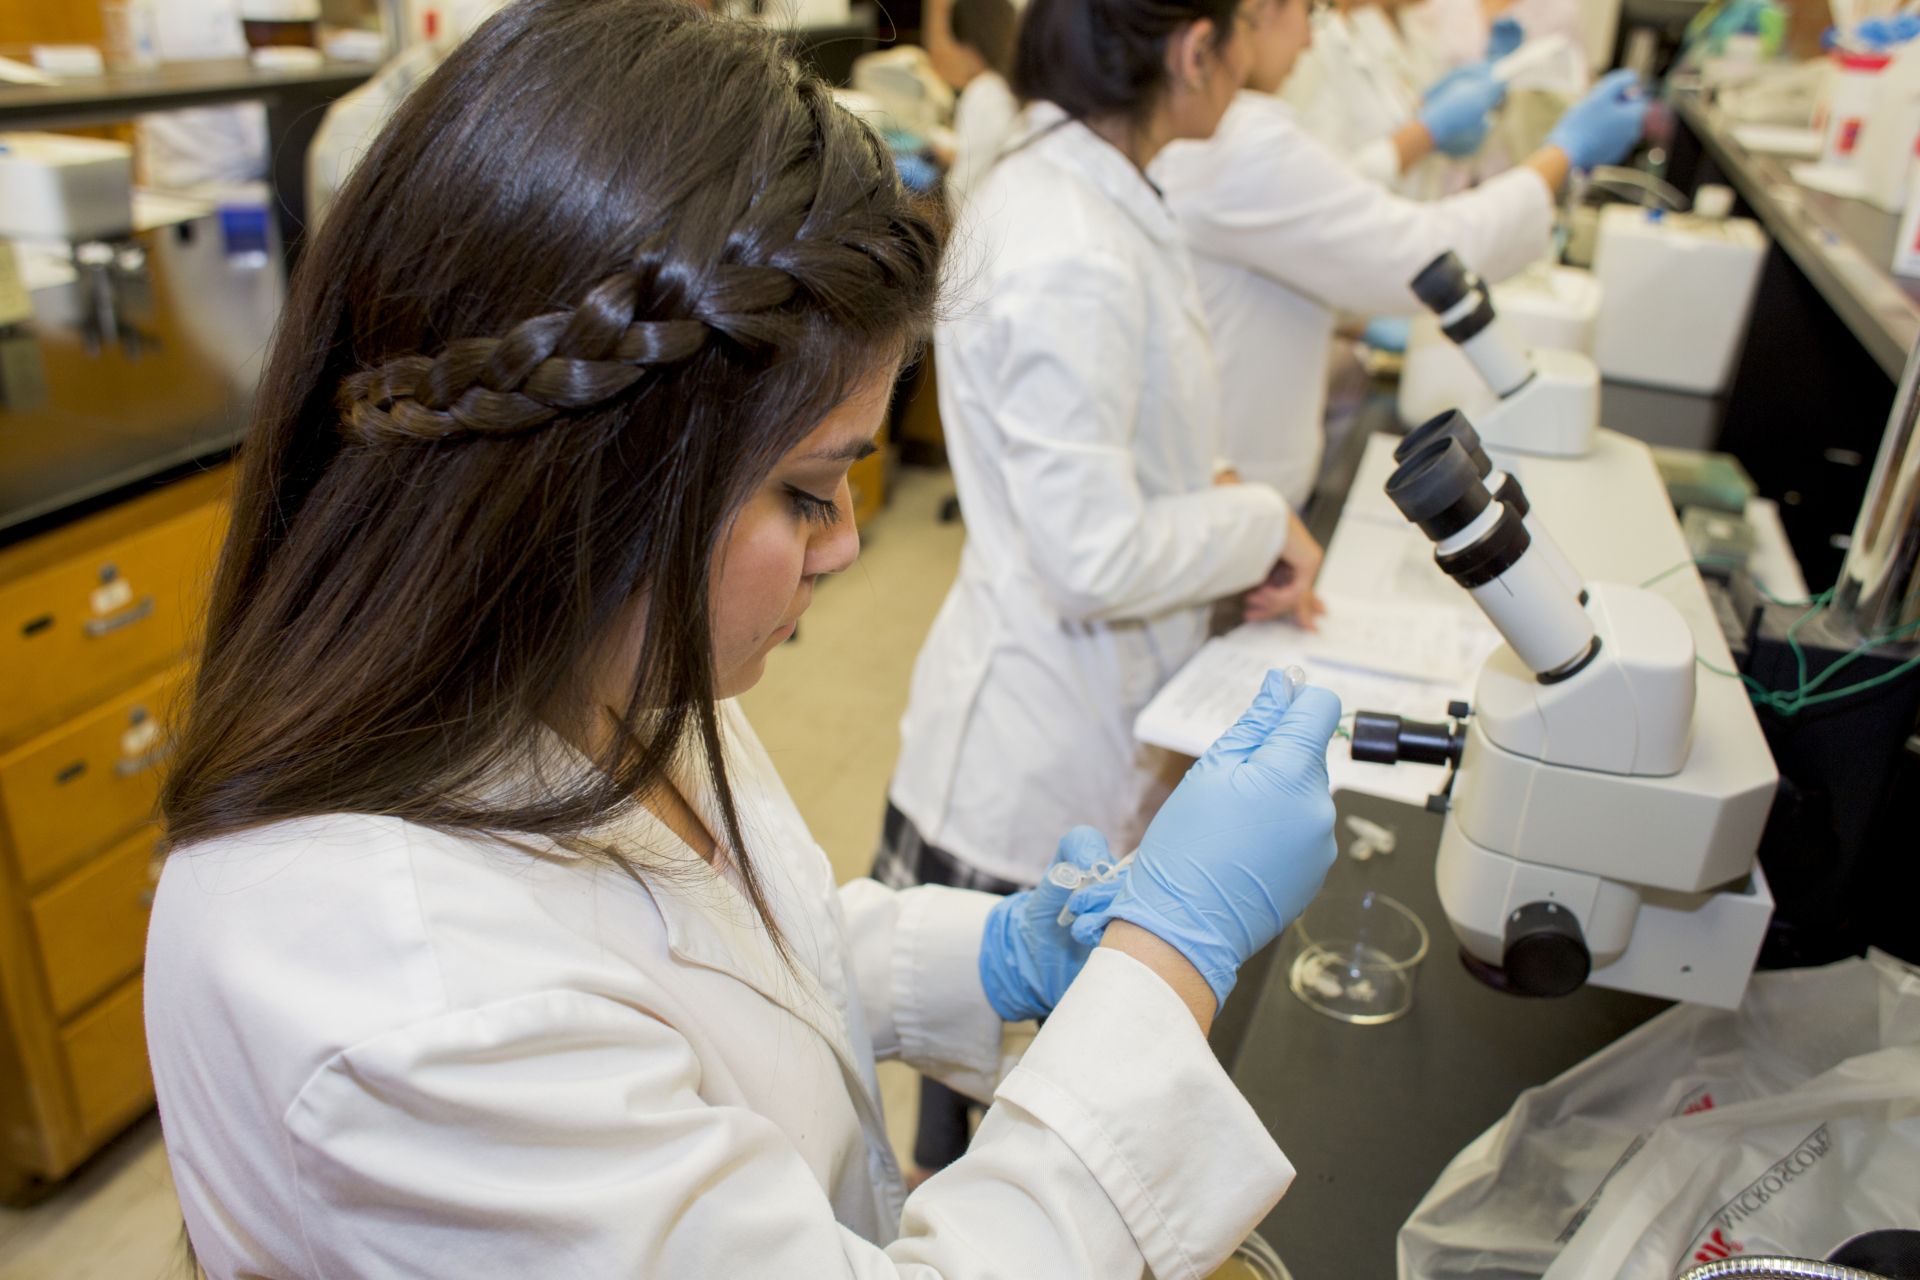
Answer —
850 452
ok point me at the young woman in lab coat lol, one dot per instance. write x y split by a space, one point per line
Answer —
971 45
1080 406
1286 236
489 943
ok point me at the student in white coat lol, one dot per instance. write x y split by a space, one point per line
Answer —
1080 405
489 943
1286 236
971 45
1357 91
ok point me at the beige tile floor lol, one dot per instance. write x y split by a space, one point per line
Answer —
828 711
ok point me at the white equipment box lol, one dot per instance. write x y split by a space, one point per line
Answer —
57 187
1676 292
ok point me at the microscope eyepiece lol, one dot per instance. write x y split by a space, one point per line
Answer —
1437 487
1484 545
1452 425
1443 283
1459 299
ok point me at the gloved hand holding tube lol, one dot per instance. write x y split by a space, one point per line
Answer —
1605 126
1028 956
1456 109
1243 843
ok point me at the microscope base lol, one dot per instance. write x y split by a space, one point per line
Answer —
1685 946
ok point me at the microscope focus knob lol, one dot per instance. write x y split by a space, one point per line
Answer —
1545 952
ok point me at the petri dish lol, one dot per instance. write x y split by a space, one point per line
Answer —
1355 957
1253 1259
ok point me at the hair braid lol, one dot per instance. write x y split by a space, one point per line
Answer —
653 313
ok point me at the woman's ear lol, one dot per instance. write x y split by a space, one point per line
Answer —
1188 51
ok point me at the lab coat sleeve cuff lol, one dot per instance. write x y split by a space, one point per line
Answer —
945 1025
1123 1075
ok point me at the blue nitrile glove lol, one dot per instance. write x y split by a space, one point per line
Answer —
1387 333
1505 37
1241 846
1456 108
1027 957
1604 126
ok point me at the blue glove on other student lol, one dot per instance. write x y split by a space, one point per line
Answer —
1027 957
1456 109
1241 846
1505 37
1604 126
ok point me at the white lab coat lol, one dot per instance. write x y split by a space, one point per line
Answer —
1351 99
1081 409
983 117
386 1051
1285 236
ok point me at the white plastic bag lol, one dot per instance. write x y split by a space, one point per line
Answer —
1785 1126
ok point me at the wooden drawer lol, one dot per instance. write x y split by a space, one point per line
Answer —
72 791
76 630
92 926
106 1053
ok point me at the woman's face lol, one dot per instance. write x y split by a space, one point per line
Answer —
798 526
1279 31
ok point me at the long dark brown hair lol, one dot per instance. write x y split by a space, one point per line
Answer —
600 272
1094 58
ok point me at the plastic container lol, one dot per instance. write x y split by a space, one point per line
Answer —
1849 95
1355 957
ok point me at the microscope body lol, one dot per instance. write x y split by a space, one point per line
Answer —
1606 801
1602 813
1540 401
1552 414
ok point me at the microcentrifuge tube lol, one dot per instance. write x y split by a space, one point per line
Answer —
1296 680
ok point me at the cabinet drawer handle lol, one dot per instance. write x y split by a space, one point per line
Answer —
97 627
34 626
139 764
71 773
1845 457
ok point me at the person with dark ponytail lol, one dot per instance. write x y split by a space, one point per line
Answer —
1080 403
488 942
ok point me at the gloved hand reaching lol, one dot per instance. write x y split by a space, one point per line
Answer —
1604 126
1027 957
1456 108
1243 843
1504 38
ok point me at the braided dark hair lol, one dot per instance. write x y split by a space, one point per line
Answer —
601 271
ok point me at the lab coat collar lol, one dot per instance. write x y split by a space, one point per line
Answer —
709 920
1067 142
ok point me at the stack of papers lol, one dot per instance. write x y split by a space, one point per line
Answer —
1406 659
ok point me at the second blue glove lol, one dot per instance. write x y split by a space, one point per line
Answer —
1027 957
1457 106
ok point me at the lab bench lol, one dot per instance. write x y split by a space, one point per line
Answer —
1831 329
1371 1115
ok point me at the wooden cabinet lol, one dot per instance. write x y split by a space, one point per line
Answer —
96 623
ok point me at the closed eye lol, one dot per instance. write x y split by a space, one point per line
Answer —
813 508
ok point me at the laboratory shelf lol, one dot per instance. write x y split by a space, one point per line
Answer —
1844 246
